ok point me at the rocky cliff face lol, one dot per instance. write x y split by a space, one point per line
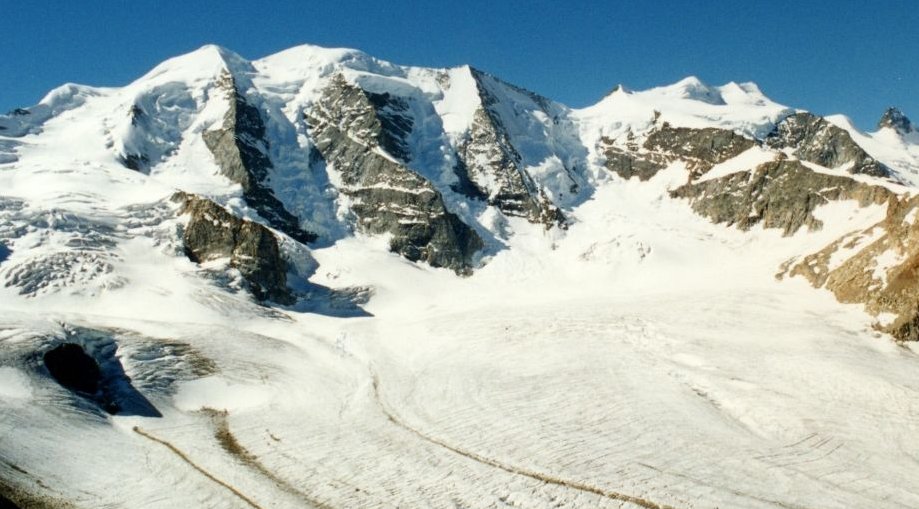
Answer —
240 149
781 194
814 139
495 166
877 267
700 149
355 131
214 233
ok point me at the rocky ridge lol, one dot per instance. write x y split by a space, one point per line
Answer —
699 148
814 139
494 165
240 149
355 131
781 194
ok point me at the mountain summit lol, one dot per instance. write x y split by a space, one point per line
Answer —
896 120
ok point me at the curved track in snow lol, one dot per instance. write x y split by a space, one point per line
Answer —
188 461
491 462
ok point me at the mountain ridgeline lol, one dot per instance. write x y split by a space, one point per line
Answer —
311 146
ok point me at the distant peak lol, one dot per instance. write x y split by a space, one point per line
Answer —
304 59
693 88
690 82
619 90
214 54
746 88
750 88
206 62
894 119
314 52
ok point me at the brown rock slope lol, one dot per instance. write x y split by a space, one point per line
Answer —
878 267
213 233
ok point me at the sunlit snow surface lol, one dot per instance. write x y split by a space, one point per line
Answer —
648 357
642 358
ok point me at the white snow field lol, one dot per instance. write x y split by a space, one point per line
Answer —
643 358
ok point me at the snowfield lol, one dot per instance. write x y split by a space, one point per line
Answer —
650 373
643 357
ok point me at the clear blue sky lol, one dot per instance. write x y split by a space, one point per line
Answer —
844 56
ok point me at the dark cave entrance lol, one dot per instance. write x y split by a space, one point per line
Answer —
73 368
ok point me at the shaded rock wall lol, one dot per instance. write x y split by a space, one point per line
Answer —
494 166
240 149
385 195
213 233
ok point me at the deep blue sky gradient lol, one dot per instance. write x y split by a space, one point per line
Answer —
844 56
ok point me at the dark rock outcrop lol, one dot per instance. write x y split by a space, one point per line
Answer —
213 233
395 124
240 148
136 162
779 194
815 140
701 149
896 120
386 196
630 163
494 166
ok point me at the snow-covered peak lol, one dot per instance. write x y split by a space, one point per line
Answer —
742 93
740 107
842 121
203 64
296 63
691 88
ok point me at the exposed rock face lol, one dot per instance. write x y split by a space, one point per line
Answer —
881 270
701 149
815 140
213 233
495 167
629 162
395 124
355 131
780 194
136 160
241 151
896 120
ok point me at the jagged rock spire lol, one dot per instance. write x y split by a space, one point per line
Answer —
896 120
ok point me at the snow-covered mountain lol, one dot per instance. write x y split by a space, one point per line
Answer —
319 279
